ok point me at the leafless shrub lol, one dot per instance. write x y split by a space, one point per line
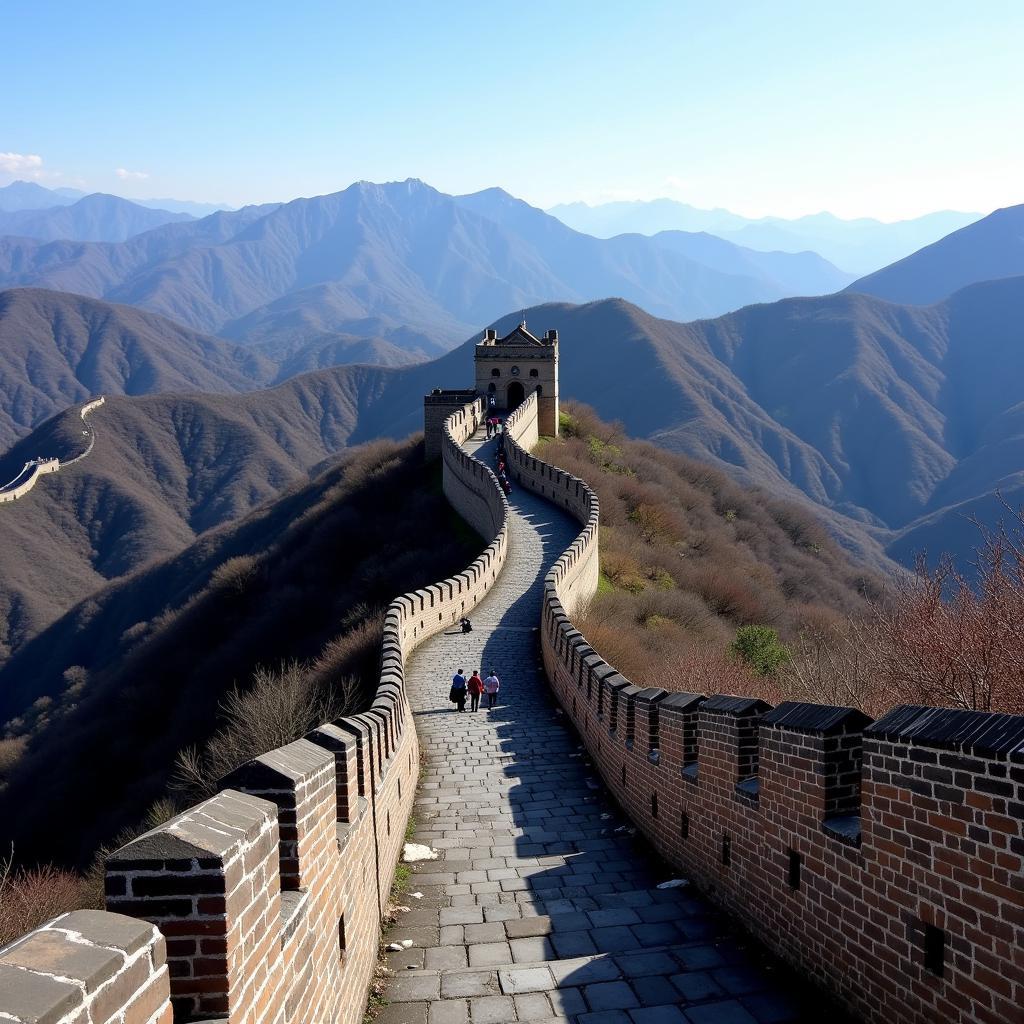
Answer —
236 574
29 897
12 750
280 706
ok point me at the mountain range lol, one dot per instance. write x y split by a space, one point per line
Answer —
29 195
986 250
858 246
94 218
400 262
58 349
890 421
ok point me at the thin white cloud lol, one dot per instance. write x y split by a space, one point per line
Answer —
22 165
131 175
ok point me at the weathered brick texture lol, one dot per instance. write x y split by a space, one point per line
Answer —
885 860
267 898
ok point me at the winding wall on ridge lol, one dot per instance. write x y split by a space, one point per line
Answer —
264 903
885 859
29 476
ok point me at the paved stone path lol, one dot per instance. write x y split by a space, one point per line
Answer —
539 908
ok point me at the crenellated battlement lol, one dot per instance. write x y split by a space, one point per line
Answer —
883 859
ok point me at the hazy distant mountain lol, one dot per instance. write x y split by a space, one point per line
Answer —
856 246
96 218
645 217
183 206
27 195
767 276
793 273
989 249
401 262
58 349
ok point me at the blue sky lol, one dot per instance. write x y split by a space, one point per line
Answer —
879 109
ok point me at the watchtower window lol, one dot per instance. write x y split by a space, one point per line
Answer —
533 373
495 372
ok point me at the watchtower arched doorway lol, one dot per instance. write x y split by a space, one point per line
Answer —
515 395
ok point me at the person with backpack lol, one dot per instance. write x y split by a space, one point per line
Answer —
457 694
475 687
491 684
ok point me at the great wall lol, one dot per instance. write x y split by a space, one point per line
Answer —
36 468
882 860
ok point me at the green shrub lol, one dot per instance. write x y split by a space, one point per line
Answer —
760 648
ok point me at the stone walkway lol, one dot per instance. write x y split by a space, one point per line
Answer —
541 906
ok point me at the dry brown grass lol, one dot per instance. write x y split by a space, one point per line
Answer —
688 557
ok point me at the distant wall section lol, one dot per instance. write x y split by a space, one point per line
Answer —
36 468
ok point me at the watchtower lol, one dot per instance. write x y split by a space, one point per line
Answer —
512 367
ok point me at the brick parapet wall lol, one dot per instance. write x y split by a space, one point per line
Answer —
884 860
267 899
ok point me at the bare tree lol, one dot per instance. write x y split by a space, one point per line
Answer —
280 706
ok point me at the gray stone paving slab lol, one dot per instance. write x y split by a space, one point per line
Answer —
492 1010
610 995
448 1011
727 1012
533 1006
534 886
531 979
658 1015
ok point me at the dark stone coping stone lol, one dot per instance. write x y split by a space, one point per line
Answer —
821 718
981 732
106 929
37 998
51 952
292 763
683 701
845 828
650 695
735 705
689 772
193 838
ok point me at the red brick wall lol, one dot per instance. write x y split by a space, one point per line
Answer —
885 860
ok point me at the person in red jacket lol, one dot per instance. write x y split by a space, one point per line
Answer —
475 687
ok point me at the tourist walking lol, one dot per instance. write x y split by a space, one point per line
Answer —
457 694
475 687
491 685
